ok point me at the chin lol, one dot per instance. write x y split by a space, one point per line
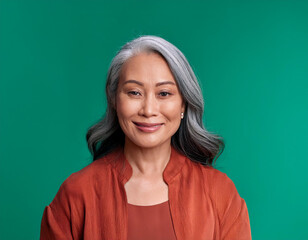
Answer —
147 145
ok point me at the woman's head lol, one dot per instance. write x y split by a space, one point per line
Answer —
191 138
148 102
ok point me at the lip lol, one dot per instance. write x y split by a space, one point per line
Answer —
148 127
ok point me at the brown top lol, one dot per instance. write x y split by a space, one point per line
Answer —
150 222
91 204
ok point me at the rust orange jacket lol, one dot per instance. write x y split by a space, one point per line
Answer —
92 205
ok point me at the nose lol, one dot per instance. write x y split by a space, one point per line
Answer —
149 106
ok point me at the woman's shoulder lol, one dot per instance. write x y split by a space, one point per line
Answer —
214 175
210 174
218 182
82 181
213 178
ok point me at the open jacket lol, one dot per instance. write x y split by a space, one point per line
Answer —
91 204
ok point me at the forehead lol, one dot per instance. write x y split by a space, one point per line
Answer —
145 67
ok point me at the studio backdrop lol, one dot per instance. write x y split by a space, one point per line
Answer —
251 58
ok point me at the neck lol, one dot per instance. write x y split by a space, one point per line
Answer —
147 161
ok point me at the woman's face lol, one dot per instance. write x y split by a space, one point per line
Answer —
148 102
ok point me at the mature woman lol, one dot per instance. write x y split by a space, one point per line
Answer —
151 177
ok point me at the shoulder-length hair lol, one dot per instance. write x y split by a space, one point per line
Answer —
191 139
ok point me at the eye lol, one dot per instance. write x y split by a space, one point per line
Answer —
164 94
134 93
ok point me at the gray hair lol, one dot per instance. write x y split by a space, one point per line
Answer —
191 139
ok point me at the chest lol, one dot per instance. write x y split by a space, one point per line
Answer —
146 191
192 213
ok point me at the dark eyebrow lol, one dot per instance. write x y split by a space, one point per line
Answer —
141 84
133 81
163 83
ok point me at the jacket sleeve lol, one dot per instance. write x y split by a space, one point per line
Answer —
232 211
56 222
236 223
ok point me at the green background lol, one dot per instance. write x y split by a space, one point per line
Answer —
251 58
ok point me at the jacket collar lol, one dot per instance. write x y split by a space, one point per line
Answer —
122 166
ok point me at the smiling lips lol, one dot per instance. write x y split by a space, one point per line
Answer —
148 127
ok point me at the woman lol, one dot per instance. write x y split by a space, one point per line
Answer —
151 177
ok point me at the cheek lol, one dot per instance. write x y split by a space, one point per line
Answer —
123 114
125 109
172 111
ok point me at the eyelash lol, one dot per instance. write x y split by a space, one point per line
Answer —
162 94
134 93
167 94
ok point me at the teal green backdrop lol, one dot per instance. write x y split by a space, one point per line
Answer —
251 58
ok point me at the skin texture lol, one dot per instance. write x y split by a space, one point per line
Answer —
148 94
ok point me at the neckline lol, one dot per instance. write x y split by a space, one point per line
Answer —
147 206
120 163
